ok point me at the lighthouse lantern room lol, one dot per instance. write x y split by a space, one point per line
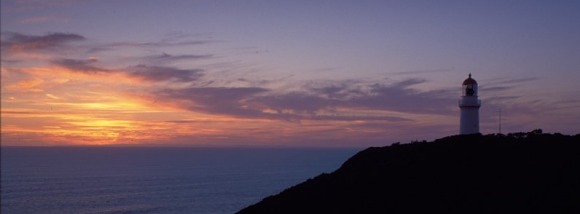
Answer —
469 105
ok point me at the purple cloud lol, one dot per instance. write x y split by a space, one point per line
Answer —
144 72
396 97
298 102
164 57
160 73
495 88
248 102
85 66
426 71
216 100
158 44
520 80
399 97
17 42
315 103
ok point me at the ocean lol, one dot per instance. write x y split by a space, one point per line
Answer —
153 180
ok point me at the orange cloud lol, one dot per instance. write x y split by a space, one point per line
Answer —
101 99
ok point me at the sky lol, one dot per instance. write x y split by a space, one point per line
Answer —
297 73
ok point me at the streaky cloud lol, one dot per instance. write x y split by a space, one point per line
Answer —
314 103
162 73
426 71
399 97
143 72
76 65
337 89
165 58
519 80
506 84
17 42
298 102
215 100
358 118
496 88
408 83
23 112
495 99
158 44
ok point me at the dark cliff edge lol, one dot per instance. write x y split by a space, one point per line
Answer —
515 173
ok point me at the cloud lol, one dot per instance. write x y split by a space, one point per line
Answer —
160 73
520 80
348 100
165 58
399 97
337 89
8 112
342 117
52 96
143 72
158 44
501 92
76 65
215 100
426 71
296 102
17 43
496 88
343 102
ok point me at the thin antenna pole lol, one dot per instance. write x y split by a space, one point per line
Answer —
500 120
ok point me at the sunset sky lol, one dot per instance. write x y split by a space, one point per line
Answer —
289 73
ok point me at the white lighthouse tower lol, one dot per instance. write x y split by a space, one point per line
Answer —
469 105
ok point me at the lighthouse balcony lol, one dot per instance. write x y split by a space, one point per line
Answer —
469 103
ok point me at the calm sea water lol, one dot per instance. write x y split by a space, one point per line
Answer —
153 180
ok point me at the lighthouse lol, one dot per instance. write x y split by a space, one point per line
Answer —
469 105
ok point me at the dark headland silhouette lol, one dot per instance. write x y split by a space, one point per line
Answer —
516 173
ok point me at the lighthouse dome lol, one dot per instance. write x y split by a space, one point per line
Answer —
469 81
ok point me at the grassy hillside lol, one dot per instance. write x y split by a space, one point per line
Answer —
514 173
